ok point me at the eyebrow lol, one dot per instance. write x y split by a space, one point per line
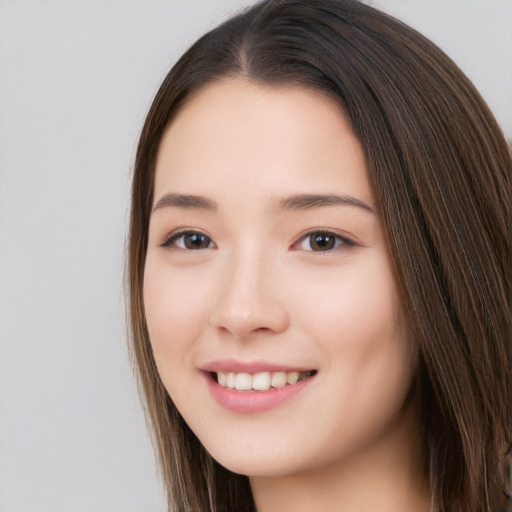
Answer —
294 202
307 201
185 201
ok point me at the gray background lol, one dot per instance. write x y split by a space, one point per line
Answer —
76 79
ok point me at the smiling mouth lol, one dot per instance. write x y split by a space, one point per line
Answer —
261 381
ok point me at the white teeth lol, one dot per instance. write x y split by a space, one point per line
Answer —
262 381
292 378
243 382
278 380
221 377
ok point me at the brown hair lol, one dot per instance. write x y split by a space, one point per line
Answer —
440 169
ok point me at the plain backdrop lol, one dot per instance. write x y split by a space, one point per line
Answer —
76 79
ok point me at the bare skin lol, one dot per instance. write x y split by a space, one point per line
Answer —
266 253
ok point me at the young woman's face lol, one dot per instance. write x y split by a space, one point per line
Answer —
267 270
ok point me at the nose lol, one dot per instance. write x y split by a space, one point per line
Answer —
249 300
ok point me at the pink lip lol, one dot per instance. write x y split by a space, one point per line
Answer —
250 402
234 365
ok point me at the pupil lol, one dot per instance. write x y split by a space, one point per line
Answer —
196 241
322 242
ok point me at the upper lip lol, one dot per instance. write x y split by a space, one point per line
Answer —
237 366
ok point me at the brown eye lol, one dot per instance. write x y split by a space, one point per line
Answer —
190 240
196 241
322 241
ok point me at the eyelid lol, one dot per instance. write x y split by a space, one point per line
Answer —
346 241
171 239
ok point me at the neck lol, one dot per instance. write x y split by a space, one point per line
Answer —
387 477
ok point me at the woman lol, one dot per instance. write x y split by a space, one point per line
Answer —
319 266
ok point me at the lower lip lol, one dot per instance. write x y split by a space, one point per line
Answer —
249 402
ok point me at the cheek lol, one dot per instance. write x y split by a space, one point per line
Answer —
174 303
356 322
356 307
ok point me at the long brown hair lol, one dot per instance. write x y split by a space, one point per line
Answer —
440 169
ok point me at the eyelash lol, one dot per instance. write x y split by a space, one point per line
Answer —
172 240
339 240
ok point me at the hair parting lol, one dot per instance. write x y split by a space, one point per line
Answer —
440 168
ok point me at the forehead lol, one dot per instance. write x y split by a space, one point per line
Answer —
261 139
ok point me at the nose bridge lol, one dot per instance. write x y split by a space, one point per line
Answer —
249 299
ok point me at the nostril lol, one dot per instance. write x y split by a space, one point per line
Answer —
248 309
